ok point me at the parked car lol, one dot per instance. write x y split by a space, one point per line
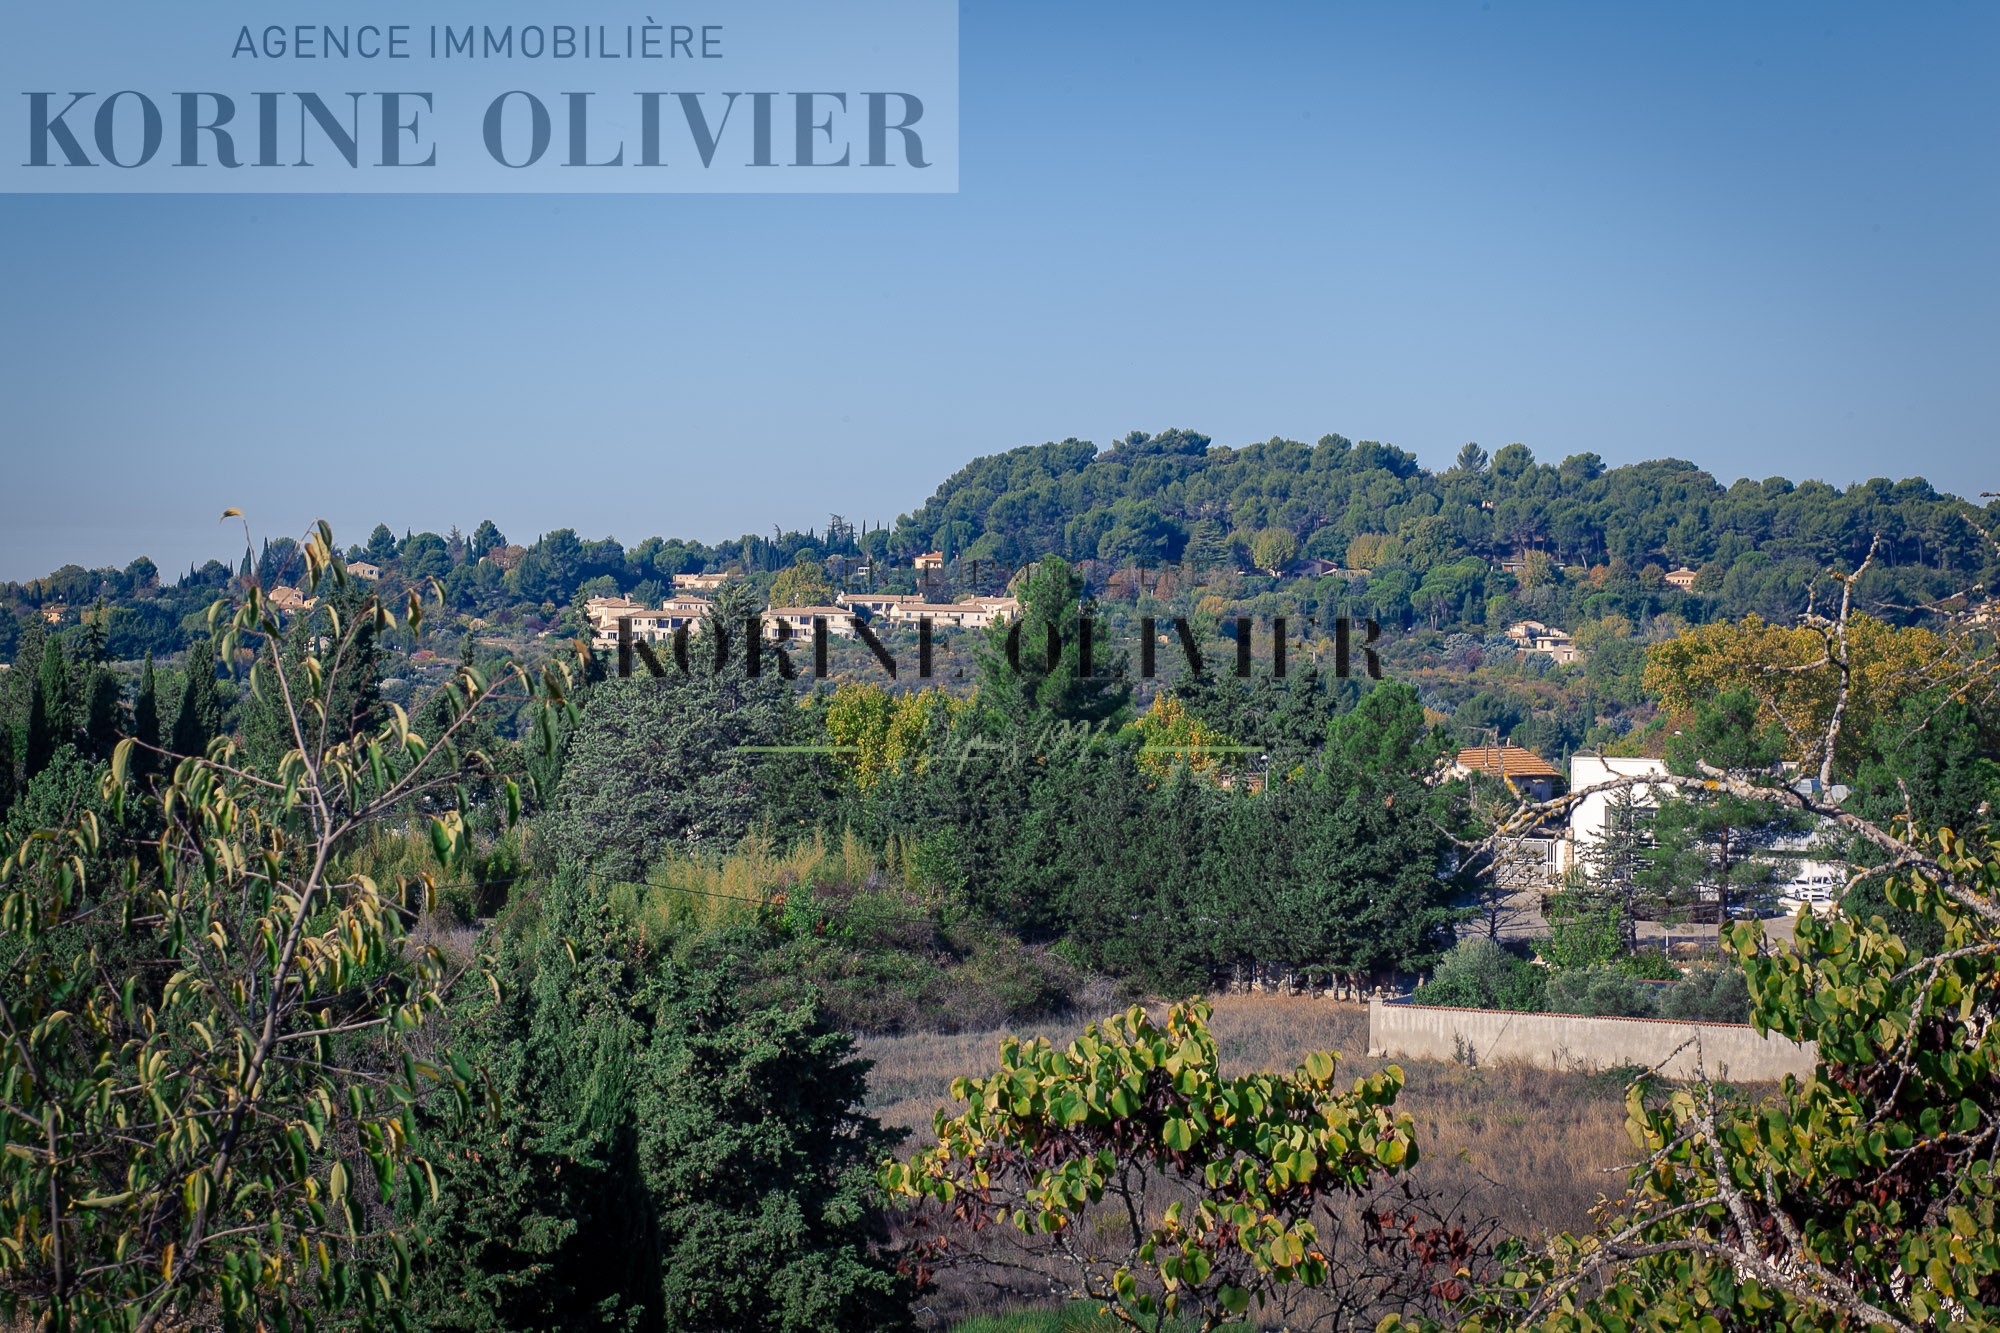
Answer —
1814 892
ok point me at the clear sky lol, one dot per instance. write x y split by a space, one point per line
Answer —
1760 237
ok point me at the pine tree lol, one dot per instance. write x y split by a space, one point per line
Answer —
199 719
760 1163
381 548
1612 866
1207 546
661 1159
542 1223
146 719
99 705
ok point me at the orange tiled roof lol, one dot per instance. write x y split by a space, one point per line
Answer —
1506 761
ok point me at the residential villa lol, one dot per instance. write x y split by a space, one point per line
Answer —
1683 578
930 560
876 605
290 601
700 582
652 625
973 613
1532 636
777 620
361 569
658 624
1588 819
1523 770
1315 568
1533 860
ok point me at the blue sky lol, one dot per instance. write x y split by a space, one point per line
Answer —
1758 237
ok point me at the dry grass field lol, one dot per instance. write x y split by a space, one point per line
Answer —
1534 1148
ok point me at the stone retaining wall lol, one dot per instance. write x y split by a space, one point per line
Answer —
1566 1041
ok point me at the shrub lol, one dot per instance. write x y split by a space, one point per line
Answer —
1479 974
1719 994
1601 992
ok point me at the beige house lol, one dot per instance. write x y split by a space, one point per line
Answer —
700 582
974 613
361 569
290 601
650 624
930 560
870 605
1532 636
1683 578
799 619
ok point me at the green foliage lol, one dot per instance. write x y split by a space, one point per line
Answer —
1860 1196
878 945
1052 1134
760 1162
1582 934
1478 973
146 721
1274 549
352 697
802 585
1600 991
212 1065
48 709
659 1156
540 1220
1719 994
198 719
669 763
1018 704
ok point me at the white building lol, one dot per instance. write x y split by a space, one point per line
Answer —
1590 815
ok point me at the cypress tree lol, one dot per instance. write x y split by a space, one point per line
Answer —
6 769
103 711
47 710
146 719
100 700
199 720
